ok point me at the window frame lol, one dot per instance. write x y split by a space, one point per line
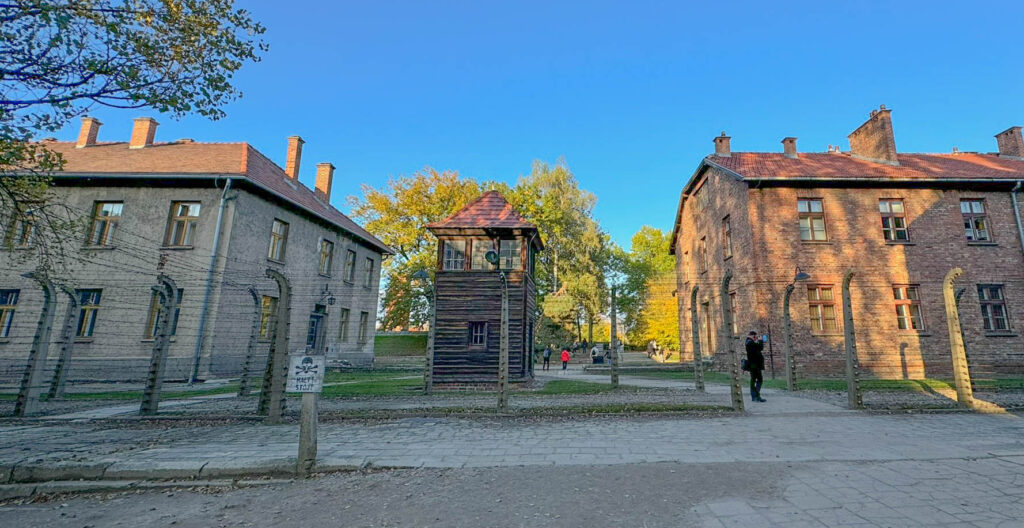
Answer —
893 216
344 315
278 241
7 310
473 245
686 266
986 303
364 333
727 237
702 254
110 224
326 258
471 336
821 304
22 229
268 317
732 308
972 216
87 312
154 307
910 303
350 266
187 235
453 257
369 265
515 253
811 215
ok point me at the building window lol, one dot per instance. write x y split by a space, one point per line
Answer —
368 281
89 307
479 259
8 302
686 266
702 254
993 307
735 318
350 265
105 217
975 220
908 308
812 220
268 315
343 325
278 240
154 309
326 257
454 255
894 221
364 326
23 225
181 231
822 306
726 237
510 253
478 334
316 324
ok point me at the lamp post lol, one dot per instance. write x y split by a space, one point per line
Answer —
788 349
428 373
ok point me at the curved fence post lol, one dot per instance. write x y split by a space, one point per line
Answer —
27 402
250 351
788 337
961 371
167 296
852 369
67 344
698 361
734 356
272 395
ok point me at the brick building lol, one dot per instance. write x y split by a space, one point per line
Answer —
899 221
152 207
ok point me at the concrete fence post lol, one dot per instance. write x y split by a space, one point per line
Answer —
167 293
67 344
272 398
787 339
503 349
961 371
728 340
27 402
428 372
698 360
250 351
614 343
852 368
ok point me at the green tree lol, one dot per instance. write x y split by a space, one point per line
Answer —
398 215
59 59
646 301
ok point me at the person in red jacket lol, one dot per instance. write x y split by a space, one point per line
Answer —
565 358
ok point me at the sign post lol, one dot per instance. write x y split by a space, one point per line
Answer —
306 375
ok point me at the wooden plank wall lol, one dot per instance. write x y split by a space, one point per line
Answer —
465 296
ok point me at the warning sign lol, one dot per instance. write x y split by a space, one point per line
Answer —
306 373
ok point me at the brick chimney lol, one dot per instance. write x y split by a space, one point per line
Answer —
722 146
87 135
874 140
789 147
291 166
143 132
324 178
1011 143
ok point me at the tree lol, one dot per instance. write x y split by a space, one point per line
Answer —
398 215
647 305
59 59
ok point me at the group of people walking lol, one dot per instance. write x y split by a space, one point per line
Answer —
547 357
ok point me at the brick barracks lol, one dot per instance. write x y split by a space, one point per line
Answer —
899 221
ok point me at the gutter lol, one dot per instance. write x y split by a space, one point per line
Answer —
1016 212
204 309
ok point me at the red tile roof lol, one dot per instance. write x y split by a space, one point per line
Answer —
191 158
489 210
961 166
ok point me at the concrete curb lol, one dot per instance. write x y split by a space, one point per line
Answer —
20 491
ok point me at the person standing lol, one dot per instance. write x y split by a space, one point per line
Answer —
755 364
565 358
547 357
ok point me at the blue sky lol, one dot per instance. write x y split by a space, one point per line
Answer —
629 93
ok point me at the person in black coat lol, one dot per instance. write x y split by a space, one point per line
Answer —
755 364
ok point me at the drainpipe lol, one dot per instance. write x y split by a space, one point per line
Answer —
203 310
1016 212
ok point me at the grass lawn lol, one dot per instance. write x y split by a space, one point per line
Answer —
571 387
831 384
373 384
135 395
334 376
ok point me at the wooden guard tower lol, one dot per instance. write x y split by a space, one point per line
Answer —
468 292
